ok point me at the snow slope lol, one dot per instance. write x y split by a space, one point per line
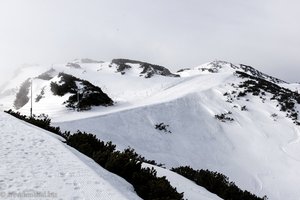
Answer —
259 150
36 163
256 152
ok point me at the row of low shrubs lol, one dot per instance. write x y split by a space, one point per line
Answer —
127 163
223 117
41 121
216 183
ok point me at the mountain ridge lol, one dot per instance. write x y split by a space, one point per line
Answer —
219 116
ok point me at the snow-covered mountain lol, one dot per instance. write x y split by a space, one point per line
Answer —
219 116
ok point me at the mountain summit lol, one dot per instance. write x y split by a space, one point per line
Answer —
224 66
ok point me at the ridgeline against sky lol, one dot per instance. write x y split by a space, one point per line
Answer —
176 34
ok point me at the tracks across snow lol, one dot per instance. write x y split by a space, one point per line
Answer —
293 146
35 163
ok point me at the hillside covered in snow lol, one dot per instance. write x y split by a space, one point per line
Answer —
36 164
219 116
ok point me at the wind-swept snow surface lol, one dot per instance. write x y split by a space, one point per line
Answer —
35 164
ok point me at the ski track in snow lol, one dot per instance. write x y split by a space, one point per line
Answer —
33 161
292 142
259 183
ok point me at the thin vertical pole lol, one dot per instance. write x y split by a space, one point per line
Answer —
78 99
31 99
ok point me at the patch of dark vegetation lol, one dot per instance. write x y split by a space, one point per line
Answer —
148 70
216 183
89 95
73 65
41 95
217 65
286 98
229 97
163 127
41 121
258 74
244 108
127 164
48 75
184 69
67 84
223 117
22 95
242 94
274 116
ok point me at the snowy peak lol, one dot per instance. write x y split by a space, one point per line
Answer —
144 69
219 66
211 67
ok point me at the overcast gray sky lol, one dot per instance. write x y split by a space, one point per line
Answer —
173 33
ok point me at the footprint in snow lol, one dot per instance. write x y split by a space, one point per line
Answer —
76 188
3 186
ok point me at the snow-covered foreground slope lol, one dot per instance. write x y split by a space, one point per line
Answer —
191 190
36 164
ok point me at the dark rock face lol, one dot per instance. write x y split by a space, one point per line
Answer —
73 65
89 95
22 95
121 64
148 70
48 75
